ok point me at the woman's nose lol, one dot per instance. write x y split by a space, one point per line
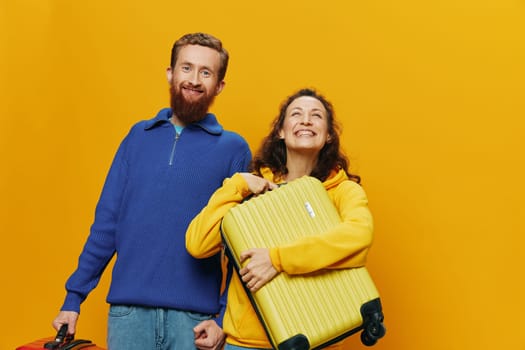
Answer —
306 119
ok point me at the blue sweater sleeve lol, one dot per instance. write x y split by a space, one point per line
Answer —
100 245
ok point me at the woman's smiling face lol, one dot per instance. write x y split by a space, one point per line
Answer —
305 126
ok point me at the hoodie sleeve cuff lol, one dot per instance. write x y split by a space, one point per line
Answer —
240 184
276 259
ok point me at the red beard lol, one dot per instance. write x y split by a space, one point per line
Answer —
189 111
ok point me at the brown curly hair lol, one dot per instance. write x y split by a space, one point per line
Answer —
202 39
272 153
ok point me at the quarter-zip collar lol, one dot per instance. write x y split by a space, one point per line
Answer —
209 123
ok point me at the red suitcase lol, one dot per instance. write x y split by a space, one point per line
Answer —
62 341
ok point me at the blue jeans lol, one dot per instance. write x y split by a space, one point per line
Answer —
143 328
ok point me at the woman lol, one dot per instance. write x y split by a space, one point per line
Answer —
304 141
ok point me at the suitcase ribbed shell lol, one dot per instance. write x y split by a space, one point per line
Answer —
322 306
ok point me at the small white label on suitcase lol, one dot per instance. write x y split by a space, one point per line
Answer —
309 209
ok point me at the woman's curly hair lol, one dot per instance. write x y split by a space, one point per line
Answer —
272 153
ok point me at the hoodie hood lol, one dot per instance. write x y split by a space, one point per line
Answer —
335 178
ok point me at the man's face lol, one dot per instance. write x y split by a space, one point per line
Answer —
194 82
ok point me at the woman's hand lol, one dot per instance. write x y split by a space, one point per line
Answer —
258 185
259 270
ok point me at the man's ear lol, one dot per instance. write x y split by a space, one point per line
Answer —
220 87
169 74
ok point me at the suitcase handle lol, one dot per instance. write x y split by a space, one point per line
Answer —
61 338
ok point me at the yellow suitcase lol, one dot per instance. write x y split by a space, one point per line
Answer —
302 312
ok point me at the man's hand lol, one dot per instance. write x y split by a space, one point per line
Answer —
208 336
66 317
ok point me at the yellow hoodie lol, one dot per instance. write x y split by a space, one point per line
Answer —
344 246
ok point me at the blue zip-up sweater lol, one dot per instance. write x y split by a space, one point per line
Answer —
156 184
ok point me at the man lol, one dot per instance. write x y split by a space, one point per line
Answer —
164 172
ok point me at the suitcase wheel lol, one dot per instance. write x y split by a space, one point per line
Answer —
372 332
373 327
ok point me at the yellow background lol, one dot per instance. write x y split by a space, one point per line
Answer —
430 93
